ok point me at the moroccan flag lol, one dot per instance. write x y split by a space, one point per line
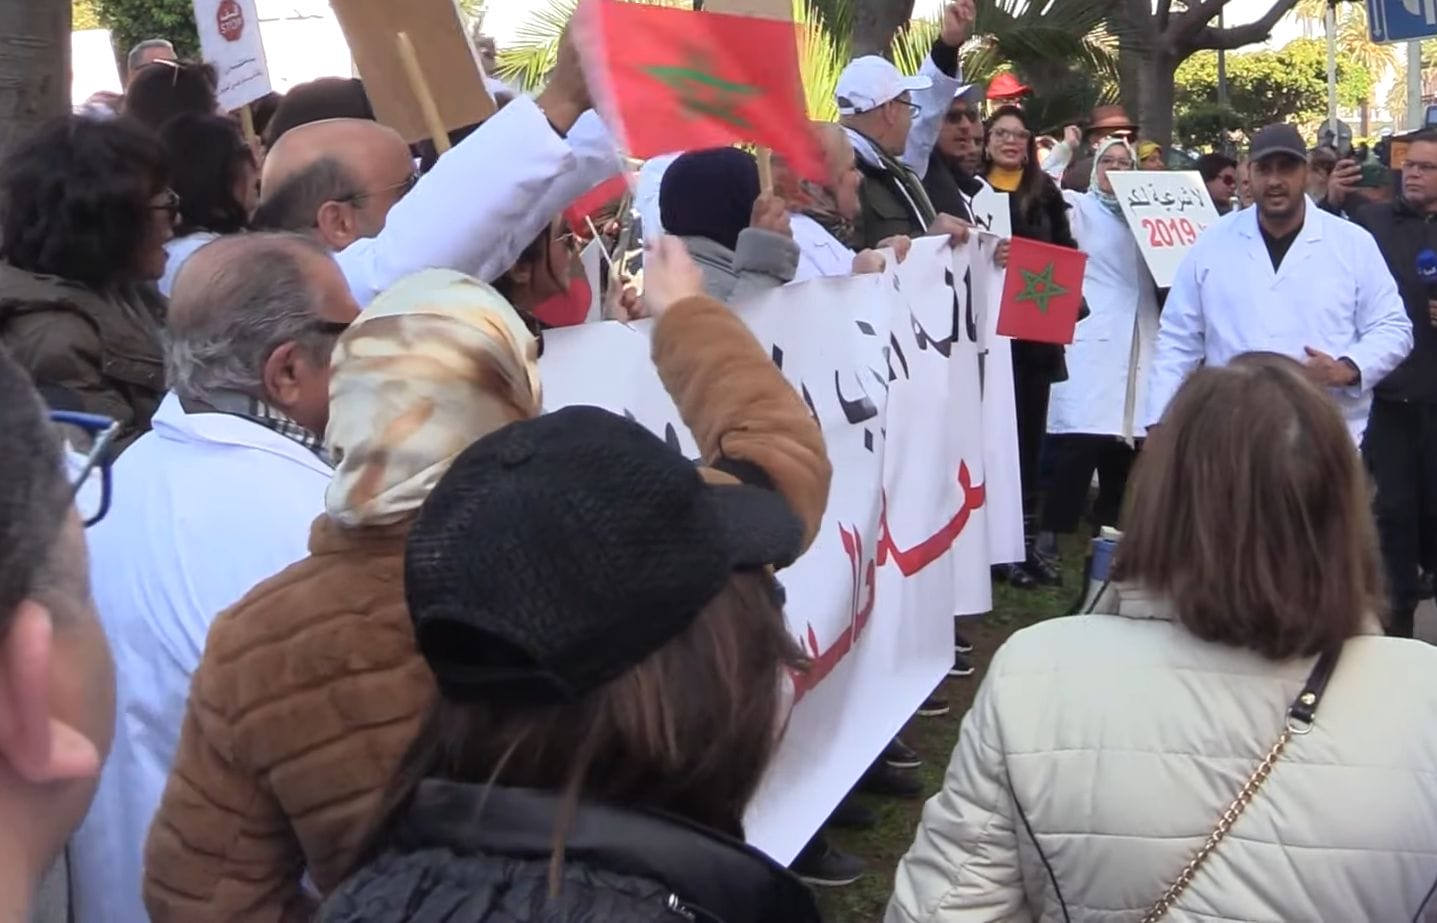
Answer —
675 80
1042 291
594 201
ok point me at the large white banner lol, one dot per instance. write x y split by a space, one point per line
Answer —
889 365
230 40
1166 211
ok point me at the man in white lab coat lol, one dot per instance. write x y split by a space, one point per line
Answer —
1289 278
352 184
218 496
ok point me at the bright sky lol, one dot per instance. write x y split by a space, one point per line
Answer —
505 16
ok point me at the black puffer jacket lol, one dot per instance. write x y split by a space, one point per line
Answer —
459 857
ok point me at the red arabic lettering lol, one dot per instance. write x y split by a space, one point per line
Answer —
823 662
913 560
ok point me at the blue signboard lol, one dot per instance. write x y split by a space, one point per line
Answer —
1401 20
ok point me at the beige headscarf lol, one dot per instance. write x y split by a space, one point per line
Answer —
436 362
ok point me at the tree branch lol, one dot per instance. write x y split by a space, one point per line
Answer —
1210 39
1192 21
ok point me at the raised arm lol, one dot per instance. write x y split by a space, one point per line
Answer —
742 411
942 67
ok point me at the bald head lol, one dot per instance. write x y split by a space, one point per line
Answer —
337 178
243 300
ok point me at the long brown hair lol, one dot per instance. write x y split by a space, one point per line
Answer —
1249 511
688 731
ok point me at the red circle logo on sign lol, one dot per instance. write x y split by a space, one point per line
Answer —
231 20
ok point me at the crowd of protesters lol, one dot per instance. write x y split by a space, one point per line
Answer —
310 611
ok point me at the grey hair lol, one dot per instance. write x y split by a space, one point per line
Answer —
294 205
223 332
34 491
137 54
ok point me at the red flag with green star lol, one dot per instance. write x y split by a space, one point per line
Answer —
1042 292
675 80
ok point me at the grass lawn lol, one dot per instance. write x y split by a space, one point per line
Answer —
934 739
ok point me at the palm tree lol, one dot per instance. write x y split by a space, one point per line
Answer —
1353 38
1060 46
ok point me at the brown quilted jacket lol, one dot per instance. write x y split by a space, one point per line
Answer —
310 690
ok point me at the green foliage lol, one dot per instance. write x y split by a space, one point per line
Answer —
83 15
1287 85
1207 125
132 21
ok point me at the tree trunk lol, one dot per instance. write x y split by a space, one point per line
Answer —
874 23
1155 96
1130 75
34 66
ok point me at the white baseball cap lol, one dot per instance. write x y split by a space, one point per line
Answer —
870 81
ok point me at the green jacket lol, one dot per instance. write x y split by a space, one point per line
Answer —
86 350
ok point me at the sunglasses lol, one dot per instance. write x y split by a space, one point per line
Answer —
90 481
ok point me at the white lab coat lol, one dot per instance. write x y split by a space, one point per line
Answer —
484 201
179 250
204 507
1333 292
820 254
1121 295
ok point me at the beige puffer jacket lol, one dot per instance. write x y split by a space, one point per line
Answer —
1107 747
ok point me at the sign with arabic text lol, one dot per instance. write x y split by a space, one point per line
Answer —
1166 211
889 365
230 41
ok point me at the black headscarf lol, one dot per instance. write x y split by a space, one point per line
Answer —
709 194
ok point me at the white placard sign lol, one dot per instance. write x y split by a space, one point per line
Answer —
990 211
1166 211
888 364
230 40
92 65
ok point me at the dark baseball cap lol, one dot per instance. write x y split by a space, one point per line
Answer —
557 553
1277 139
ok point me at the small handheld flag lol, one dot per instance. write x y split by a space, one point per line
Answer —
1042 292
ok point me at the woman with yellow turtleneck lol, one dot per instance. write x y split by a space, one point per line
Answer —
1011 165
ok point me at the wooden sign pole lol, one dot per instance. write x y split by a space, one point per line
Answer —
420 87
765 171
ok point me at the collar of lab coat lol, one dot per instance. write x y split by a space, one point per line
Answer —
226 429
1312 224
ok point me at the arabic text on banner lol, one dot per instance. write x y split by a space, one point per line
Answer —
889 364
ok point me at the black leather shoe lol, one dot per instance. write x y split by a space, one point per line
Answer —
894 783
901 756
852 814
823 865
1014 575
1043 570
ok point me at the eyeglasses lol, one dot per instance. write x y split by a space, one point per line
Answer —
1108 163
1011 134
1227 179
959 116
171 204
912 107
89 474
332 328
405 186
